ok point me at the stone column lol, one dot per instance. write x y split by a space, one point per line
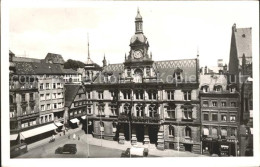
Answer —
133 138
146 136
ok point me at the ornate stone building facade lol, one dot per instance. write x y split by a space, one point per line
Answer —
147 101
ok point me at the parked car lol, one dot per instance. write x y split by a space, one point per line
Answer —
135 152
18 150
67 149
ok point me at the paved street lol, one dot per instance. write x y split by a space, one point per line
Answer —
97 148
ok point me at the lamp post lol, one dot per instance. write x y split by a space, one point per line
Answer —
99 109
87 135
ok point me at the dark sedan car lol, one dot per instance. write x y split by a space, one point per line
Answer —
67 149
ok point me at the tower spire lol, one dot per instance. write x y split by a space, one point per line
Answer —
138 22
88 49
104 61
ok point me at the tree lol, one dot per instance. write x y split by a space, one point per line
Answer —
74 64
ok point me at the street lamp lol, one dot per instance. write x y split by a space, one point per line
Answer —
99 109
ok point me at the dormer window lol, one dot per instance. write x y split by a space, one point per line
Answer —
218 88
232 90
177 75
205 88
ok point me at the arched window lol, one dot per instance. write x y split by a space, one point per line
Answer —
138 75
217 88
152 111
188 132
128 72
177 75
127 108
139 111
205 88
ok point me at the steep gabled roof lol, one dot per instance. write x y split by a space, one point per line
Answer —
71 91
54 58
243 39
166 69
25 59
113 69
33 68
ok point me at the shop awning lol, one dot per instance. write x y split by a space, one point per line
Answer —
39 130
58 124
75 120
205 131
13 136
251 130
84 117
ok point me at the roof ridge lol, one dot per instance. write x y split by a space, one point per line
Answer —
174 60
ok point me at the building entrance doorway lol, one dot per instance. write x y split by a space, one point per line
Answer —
126 132
188 147
153 131
140 133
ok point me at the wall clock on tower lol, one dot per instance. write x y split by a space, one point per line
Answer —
137 54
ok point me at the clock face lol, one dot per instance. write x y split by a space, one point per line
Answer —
137 54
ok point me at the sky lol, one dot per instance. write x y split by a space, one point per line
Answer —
175 30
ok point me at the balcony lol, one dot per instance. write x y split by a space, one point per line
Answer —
123 118
145 119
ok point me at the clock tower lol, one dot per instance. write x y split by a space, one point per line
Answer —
138 63
138 44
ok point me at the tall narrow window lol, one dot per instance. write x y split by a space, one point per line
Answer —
170 95
128 72
31 97
171 130
187 113
152 111
23 97
188 132
148 72
139 95
113 110
139 111
187 95
127 109
171 112
100 95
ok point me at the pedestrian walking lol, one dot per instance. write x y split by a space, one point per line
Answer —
78 137
64 132
69 136
74 136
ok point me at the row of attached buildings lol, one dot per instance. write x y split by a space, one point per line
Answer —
172 104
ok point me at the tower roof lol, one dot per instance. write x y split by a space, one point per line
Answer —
138 16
